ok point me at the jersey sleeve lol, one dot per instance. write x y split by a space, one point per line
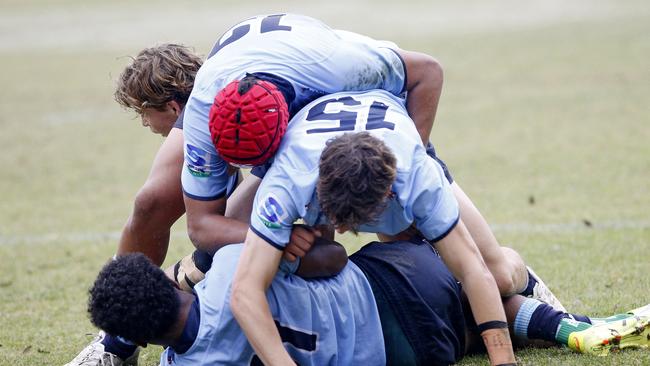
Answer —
429 199
205 174
275 208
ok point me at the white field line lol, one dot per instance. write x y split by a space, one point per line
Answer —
520 227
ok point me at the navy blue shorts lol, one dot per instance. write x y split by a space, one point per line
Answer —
419 302
432 153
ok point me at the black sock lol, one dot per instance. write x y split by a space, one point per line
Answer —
544 322
528 291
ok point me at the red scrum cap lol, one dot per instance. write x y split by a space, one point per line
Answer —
247 121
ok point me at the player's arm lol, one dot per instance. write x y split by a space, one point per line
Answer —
257 266
205 179
462 257
240 202
207 226
423 86
158 204
325 258
437 217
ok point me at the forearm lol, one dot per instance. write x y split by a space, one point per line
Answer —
483 296
250 308
147 229
464 260
212 231
421 106
256 268
158 204
136 239
424 88
487 308
240 202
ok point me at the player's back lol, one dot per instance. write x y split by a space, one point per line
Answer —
376 111
327 321
288 191
314 59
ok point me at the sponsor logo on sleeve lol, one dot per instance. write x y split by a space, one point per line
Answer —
197 161
271 212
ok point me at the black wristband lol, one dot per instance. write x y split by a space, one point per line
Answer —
493 324
507 364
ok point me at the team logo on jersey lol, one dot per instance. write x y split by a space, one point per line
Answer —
271 212
197 161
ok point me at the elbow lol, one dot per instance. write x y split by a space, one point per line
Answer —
195 233
146 204
422 69
435 71
431 72
238 297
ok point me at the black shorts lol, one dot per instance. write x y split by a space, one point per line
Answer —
432 153
419 302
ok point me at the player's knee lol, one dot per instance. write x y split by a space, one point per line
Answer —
507 267
505 282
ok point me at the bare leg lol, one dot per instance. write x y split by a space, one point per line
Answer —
506 265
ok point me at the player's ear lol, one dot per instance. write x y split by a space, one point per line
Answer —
175 106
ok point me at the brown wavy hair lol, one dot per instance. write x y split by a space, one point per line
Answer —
356 171
158 75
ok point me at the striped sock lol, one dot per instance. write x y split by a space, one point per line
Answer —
537 320
568 326
522 320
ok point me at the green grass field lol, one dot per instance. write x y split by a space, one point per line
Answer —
544 122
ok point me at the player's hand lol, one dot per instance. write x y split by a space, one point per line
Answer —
302 238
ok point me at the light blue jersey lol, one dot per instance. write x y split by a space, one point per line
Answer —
422 194
331 321
313 58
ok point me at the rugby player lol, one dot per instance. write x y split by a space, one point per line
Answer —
157 86
294 67
416 192
394 304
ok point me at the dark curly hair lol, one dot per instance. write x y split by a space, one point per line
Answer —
356 172
158 75
133 298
